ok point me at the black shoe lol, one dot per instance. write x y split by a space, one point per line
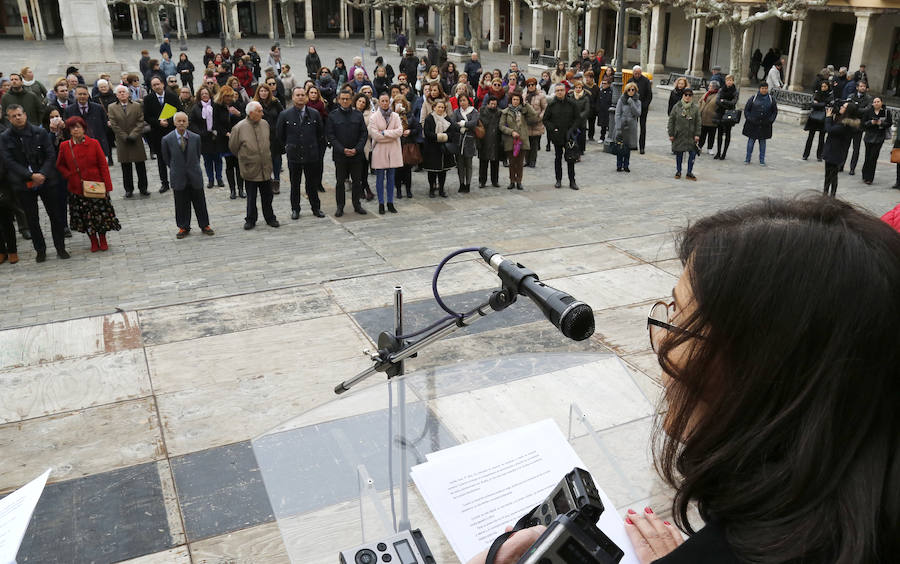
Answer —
209 186
409 192
896 186
241 193
512 186
63 254
642 151
233 194
359 210
573 186
145 193
321 189
495 184
391 208
805 157
248 226
67 233
399 193
442 194
220 184
626 169
129 194
339 212
548 148
852 172
819 159
26 234
41 256
519 186
481 184
717 157
431 193
318 213
273 223
276 189
558 184
164 189
152 156
295 214
380 209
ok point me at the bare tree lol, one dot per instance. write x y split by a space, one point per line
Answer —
644 10
733 16
573 10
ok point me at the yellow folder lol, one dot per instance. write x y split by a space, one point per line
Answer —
168 111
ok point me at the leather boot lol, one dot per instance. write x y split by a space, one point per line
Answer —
233 193
391 207
95 244
380 209
369 195
431 190
399 192
409 192
241 192
103 244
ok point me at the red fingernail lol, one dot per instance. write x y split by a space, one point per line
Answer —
632 512
648 510
628 521
667 523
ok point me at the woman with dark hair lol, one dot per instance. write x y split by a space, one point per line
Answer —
206 119
514 123
535 98
363 104
81 159
877 125
272 108
466 118
412 129
327 87
559 73
449 76
545 83
725 101
340 74
255 63
208 55
226 55
381 83
245 76
185 70
229 99
816 119
779 355
439 152
840 129
313 63
315 102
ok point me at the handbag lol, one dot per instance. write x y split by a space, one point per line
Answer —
480 131
571 151
731 117
895 155
817 116
89 188
411 154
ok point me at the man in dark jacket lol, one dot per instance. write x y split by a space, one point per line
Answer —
347 132
473 70
30 161
409 65
434 54
19 95
93 114
859 104
154 103
301 132
561 119
645 93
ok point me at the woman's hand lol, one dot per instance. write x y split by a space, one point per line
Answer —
514 547
652 539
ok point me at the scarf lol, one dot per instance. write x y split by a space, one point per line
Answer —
29 82
465 113
206 112
441 125
575 94
386 114
708 92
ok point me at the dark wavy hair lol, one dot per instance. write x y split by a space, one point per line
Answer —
783 420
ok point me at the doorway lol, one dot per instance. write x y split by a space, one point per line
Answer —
840 44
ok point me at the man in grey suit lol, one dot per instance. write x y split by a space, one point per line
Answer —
180 149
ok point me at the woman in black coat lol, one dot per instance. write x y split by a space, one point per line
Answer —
185 70
234 113
204 118
313 63
272 108
439 151
760 112
877 125
602 103
675 96
816 120
840 130
727 99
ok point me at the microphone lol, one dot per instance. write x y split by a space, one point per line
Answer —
574 318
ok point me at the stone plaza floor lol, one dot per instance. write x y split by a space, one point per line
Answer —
140 375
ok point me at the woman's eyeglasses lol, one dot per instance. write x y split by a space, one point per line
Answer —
659 324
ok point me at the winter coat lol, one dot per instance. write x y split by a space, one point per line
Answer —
584 107
289 82
684 126
628 112
215 141
674 97
270 114
602 103
25 152
95 119
408 66
511 121
876 133
249 141
645 91
327 88
708 109
859 103
303 138
759 115
128 122
168 68
437 155
244 76
346 129
473 71
726 100
313 64
34 108
449 80
538 103
386 149
560 119
91 162
820 101
185 71
840 135
489 147
467 146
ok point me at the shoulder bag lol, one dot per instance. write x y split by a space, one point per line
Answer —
731 117
479 130
90 188
411 154
895 155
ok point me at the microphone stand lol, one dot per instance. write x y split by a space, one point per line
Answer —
393 351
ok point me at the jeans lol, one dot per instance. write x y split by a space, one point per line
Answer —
313 172
678 159
265 194
557 165
762 150
623 159
868 169
831 178
464 170
382 174
29 201
213 165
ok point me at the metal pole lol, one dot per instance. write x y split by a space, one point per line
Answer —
403 524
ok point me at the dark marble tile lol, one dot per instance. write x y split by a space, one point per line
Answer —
316 466
105 517
220 490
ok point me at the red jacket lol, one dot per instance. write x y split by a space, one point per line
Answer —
245 76
91 162
892 218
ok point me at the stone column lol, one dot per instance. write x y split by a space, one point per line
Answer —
135 22
515 44
343 34
537 30
38 21
744 80
432 19
308 32
562 37
88 38
591 19
379 25
495 44
698 43
602 40
271 19
797 56
862 40
235 22
657 39
460 28
27 32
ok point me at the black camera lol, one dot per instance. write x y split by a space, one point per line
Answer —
570 512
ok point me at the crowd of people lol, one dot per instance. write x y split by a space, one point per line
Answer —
235 114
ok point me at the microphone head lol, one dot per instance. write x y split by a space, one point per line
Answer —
577 322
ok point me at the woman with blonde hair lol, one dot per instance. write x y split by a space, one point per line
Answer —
228 99
628 111
675 95
412 129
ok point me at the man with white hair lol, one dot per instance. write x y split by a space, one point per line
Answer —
645 93
181 152
249 141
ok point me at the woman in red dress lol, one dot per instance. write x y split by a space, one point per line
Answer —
81 159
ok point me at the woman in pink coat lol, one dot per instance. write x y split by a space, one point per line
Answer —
385 131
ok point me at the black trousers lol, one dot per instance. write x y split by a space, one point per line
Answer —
404 178
483 171
184 200
349 167
265 194
557 165
723 131
233 172
854 158
707 136
534 148
7 231
592 121
831 178
868 169
128 180
313 172
819 147
161 167
604 126
29 201
645 109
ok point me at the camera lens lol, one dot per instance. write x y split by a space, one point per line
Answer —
365 556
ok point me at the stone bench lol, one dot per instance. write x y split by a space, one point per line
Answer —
695 82
541 60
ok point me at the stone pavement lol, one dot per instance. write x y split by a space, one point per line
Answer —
141 374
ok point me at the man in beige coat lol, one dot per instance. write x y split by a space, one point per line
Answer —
126 119
249 141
